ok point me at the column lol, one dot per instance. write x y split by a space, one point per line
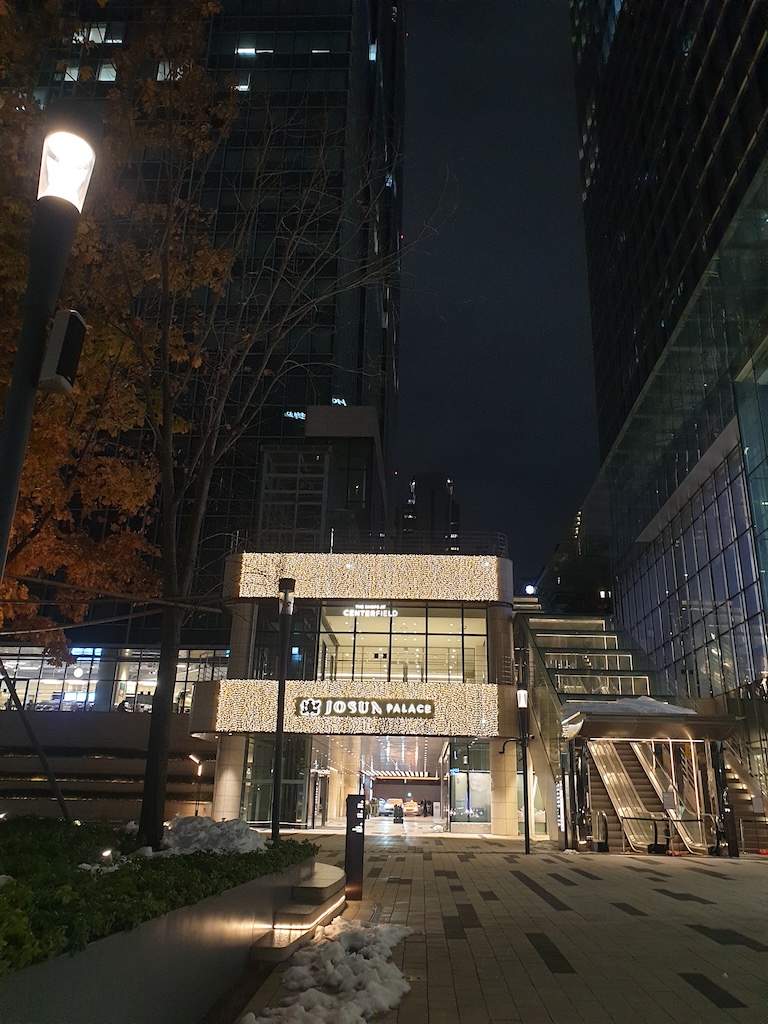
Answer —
503 789
228 786
230 757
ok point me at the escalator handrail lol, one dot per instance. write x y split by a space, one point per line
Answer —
620 789
657 776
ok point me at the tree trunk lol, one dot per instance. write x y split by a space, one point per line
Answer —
158 748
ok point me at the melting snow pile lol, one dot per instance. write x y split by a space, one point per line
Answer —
188 835
343 977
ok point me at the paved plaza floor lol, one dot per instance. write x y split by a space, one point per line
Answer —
502 937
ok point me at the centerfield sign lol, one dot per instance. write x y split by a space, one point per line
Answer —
319 707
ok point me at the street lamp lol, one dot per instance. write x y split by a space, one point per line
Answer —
286 588
198 762
522 714
67 163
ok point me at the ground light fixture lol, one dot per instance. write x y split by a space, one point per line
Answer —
522 714
286 588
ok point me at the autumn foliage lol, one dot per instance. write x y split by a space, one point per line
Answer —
87 491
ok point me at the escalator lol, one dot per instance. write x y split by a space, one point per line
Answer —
640 813
634 767
654 813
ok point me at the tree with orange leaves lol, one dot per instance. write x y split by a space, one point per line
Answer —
86 491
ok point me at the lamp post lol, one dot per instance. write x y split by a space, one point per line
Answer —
286 588
199 764
522 714
65 172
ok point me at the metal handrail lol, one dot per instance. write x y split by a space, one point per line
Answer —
638 841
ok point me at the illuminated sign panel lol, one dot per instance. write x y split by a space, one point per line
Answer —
408 709
360 578
371 611
320 707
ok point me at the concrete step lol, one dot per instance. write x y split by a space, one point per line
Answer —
326 880
315 901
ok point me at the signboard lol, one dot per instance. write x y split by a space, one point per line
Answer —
321 707
370 611
354 847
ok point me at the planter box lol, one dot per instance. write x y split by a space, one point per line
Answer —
166 971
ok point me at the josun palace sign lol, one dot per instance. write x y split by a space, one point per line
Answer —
320 707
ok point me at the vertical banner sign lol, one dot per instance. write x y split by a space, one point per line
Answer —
353 854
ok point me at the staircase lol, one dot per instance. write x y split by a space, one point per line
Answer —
751 828
315 901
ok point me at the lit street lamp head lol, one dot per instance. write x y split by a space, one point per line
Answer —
66 168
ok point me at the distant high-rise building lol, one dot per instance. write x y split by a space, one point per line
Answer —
431 511
673 109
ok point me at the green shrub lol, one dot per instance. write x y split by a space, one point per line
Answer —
50 906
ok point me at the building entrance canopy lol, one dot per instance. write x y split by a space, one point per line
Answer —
341 707
640 718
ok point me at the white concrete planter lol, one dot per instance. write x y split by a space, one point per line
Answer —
166 971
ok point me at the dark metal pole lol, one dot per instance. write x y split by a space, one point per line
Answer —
522 711
53 232
286 587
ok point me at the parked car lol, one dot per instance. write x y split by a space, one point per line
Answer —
387 807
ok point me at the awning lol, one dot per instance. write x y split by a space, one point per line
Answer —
640 718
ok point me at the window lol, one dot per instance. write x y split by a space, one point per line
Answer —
107 71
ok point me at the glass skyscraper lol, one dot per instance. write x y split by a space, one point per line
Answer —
673 103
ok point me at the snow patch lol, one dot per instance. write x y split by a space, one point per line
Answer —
344 977
189 835
193 835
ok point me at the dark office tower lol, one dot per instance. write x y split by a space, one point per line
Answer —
431 515
321 81
673 104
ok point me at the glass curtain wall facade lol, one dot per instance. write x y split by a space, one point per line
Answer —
103 678
672 100
376 642
673 104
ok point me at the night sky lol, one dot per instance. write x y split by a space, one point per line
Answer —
495 360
